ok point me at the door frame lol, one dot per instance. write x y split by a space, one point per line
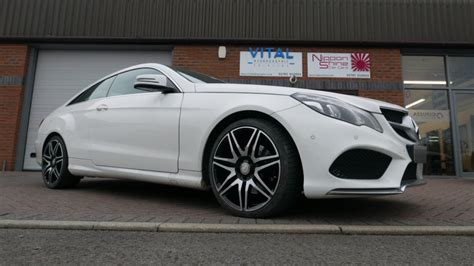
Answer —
456 133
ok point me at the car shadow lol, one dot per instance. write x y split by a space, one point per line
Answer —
146 191
355 210
329 210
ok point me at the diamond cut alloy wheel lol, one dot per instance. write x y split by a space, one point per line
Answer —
54 166
246 168
53 161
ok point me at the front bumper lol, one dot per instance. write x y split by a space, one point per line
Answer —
320 140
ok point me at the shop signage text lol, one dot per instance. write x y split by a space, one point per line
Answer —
421 116
271 62
268 51
339 65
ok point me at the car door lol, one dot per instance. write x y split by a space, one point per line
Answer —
78 112
136 129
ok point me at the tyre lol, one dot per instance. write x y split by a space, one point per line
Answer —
55 165
254 169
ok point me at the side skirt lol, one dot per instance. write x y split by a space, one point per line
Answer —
184 178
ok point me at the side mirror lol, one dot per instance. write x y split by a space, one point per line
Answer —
153 82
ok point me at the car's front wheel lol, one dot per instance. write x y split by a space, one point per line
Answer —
55 165
254 169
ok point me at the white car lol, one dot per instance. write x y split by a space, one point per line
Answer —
258 147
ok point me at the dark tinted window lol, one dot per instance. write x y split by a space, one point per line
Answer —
124 82
98 90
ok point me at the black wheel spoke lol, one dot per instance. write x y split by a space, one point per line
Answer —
55 149
254 146
267 164
46 174
228 186
50 148
259 182
234 144
225 162
50 174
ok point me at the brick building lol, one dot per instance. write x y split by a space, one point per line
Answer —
420 56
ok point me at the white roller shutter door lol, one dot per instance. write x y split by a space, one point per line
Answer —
62 73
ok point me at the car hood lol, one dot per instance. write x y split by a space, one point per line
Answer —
367 104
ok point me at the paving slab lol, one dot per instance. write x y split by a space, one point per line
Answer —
442 202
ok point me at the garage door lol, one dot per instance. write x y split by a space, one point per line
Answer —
62 73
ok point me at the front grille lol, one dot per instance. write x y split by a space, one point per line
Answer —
393 116
395 119
360 164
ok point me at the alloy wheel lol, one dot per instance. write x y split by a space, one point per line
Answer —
246 168
53 161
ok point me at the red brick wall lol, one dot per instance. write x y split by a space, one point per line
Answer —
386 65
13 61
391 96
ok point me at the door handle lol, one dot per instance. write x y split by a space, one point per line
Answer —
102 107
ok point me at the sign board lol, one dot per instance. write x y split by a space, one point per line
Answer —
339 65
421 116
270 62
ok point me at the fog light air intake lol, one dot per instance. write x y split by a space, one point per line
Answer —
360 164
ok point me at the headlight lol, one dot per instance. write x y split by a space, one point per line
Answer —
339 110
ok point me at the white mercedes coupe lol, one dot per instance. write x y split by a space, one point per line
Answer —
257 147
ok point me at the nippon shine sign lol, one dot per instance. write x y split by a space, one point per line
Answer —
270 62
339 65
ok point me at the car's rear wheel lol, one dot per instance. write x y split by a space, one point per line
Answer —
254 169
55 165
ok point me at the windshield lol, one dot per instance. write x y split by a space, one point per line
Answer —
196 77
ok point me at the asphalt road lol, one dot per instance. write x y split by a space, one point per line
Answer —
107 247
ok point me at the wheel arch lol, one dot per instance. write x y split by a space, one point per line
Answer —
223 123
50 135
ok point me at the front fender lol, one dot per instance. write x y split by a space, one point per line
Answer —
201 112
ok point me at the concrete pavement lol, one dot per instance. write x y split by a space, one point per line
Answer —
52 247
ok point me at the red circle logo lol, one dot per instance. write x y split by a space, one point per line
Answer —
360 62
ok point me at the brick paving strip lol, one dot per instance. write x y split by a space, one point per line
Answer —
120 203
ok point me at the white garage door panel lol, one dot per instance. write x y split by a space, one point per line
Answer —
60 74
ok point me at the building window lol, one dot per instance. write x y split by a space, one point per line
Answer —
424 72
430 109
461 71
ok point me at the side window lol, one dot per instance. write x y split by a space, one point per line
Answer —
102 89
98 90
123 84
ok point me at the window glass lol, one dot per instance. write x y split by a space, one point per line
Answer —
465 122
196 77
423 71
124 82
102 89
461 71
98 90
430 110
